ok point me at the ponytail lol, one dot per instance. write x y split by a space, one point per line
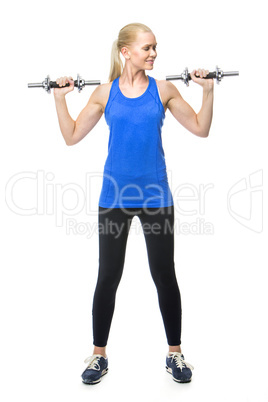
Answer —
116 62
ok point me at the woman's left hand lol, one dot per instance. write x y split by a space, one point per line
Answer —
207 83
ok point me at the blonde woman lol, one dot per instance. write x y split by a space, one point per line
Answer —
135 182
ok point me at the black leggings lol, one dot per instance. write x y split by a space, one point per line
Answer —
158 229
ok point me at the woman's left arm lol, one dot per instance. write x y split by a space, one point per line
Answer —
197 123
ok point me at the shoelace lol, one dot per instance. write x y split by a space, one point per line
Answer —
179 360
93 362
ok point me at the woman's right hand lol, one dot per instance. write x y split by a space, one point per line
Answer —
62 81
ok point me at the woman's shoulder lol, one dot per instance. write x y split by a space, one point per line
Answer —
103 88
165 87
163 84
101 93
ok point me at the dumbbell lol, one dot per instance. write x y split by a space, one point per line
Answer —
47 84
218 75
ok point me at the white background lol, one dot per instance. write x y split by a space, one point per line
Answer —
48 275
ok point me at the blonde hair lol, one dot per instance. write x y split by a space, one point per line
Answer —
127 35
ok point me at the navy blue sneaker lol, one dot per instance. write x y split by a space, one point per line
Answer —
97 367
178 367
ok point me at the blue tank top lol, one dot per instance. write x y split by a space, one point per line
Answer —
135 170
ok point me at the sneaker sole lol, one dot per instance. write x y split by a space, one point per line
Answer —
105 371
169 370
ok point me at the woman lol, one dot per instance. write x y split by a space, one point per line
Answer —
135 182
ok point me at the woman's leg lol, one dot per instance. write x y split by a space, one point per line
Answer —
114 225
159 237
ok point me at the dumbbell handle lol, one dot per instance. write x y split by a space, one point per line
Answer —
53 84
180 77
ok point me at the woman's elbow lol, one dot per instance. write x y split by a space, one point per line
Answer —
69 141
74 138
200 132
203 134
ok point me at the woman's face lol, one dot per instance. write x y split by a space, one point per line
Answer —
142 52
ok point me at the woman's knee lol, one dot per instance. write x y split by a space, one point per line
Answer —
164 277
108 281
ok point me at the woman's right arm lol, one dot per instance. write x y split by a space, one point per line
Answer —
74 131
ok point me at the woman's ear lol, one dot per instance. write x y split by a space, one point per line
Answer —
125 52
